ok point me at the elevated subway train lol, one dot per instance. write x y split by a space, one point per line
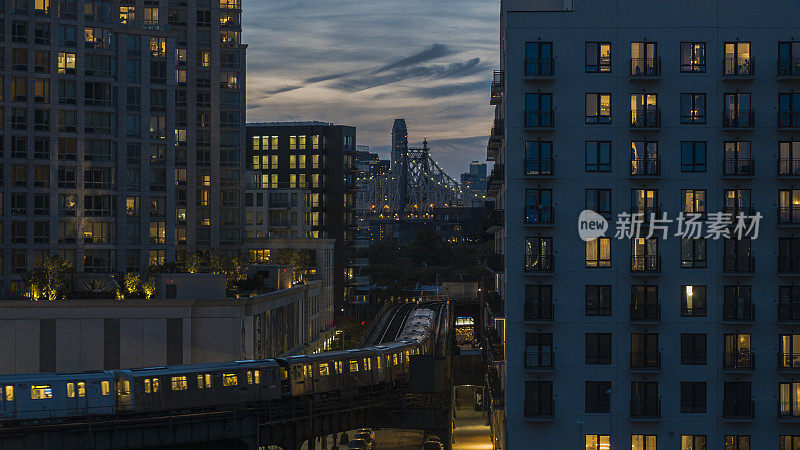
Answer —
61 396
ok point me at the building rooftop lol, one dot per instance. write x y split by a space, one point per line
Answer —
290 124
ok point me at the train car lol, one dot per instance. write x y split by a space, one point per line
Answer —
198 386
56 396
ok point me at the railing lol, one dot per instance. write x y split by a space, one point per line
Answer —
788 119
788 67
788 410
789 311
497 129
541 263
543 67
538 311
539 166
736 210
649 118
539 359
645 408
646 264
789 360
739 360
788 264
497 88
646 166
544 410
738 167
539 214
645 67
788 167
496 218
646 360
538 119
739 119
645 312
737 66
788 215
645 213
733 310
738 264
743 409
694 311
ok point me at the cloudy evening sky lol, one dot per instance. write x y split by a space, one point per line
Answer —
367 62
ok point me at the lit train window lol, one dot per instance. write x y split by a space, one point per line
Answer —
378 361
179 383
323 370
407 356
208 380
298 371
257 376
105 388
41 392
124 387
229 379
156 384
308 370
199 382
353 366
394 358
81 389
284 373
9 393
367 364
249 377
71 390
147 385
339 367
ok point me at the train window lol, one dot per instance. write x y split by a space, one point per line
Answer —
199 382
9 393
308 371
284 373
354 366
81 389
104 388
338 365
298 371
208 380
257 376
367 364
229 379
323 370
249 377
41 392
123 387
180 383
150 385
394 358
70 390
406 355
147 388
378 362
156 383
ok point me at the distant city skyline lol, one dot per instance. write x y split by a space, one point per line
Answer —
365 63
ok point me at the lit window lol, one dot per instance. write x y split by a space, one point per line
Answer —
208 380
41 392
179 383
147 386
249 377
81 389
367 364
123 388
353 366
257 376
598 442
70 390
229 379
9 393
66 62
643 442
127 14
105 387
323 370
315 141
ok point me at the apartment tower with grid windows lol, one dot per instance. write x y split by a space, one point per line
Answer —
641 107
123 123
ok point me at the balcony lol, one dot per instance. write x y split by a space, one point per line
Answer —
645 312
495 262
538 312
789 120
788 361
738 167
649 119
496 220
788 265
498 130
739 360
496 179
789 168
539 264
495 388
543 411
735 311
645 409
738 410
789 312
645 360
736 264
497 88
645 68
646 167
644 265
539 69
788 411
538 120
736 210
539 359
737 67
739 120
788 215
538 215
539 167
788 68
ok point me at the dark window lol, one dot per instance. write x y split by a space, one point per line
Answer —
599 201
598 300
538 302
693 253
598 57
788 58
693 156
788 110
538 158
693 397
789 303
693 108
693 56
538 254
538 206
738 112
644 399
737 400
538 58
538 398
538 110
693 349
737 303
598 156
644 351
644 302
538 350
598 399
598 348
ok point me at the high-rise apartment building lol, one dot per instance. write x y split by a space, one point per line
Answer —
473 185
122 129
315 158
663 107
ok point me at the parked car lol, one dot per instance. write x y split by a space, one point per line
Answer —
367 435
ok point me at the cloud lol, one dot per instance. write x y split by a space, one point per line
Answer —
450 89
435 51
